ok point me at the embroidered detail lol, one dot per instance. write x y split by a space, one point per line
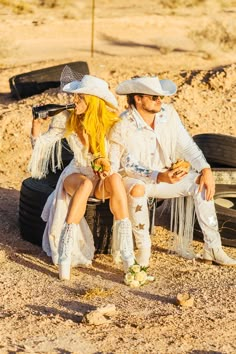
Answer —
140 226
132 165
212 220
138 208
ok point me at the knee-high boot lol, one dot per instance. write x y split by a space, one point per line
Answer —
65 251
122 243
139 216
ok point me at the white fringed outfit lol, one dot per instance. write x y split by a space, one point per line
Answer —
140 153
46 146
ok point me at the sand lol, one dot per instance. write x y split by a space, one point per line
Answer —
195 47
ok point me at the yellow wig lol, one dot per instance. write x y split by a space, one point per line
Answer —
96 121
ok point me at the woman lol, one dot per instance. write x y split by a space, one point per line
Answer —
67 237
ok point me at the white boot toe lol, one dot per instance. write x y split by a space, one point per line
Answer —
218 256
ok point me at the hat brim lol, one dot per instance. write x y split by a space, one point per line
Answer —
166 88
104 94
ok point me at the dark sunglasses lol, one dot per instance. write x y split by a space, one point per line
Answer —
152 97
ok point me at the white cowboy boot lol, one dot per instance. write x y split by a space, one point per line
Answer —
65 250
217 255
123 243
143 256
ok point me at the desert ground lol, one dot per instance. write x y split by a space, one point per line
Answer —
190 42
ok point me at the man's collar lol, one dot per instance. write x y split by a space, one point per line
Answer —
141 122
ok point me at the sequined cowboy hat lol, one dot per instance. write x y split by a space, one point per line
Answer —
149 85
87 85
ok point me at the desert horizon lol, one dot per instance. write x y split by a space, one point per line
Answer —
191 42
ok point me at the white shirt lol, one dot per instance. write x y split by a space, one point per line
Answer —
138 151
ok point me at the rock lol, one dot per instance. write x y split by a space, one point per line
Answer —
95 318
185 300
98 316
107 310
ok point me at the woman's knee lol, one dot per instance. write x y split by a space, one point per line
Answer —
137 191
115 180
87 185
74 182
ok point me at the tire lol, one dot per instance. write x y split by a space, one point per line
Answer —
224 175
33 196
100 221
226 214
38 81
66 155
219 149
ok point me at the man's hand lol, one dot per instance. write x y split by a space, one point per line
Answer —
172 176
206 179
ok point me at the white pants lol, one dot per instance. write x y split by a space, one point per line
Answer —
139 215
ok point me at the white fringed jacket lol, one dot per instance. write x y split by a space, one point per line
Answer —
142 152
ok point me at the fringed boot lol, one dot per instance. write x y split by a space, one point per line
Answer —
65 251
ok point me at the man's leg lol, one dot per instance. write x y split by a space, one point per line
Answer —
205 211
139 216
208 222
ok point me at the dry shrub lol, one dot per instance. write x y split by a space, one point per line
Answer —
215 33
54 3
18 7
174 4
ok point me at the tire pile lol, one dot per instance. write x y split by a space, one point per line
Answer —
220 152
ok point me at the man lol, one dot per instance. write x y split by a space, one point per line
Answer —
144 144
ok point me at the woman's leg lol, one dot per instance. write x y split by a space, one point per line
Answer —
115 191
122 239
79 188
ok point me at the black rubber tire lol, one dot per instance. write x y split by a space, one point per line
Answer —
226 216
38 81
219 149
67 155
33 196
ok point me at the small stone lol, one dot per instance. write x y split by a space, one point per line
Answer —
185 300
95 318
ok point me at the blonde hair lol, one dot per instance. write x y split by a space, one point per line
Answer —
96 121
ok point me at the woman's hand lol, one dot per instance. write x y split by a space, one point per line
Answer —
36 126
101 167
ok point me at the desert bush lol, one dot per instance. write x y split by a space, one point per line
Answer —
174 4
54 3
215 33
17 7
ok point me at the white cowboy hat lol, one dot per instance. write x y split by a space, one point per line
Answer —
91 85
149 85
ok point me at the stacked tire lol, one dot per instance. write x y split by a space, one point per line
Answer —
33 196
220 152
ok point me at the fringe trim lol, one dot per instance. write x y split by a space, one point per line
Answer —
80 151
47 152
182 225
